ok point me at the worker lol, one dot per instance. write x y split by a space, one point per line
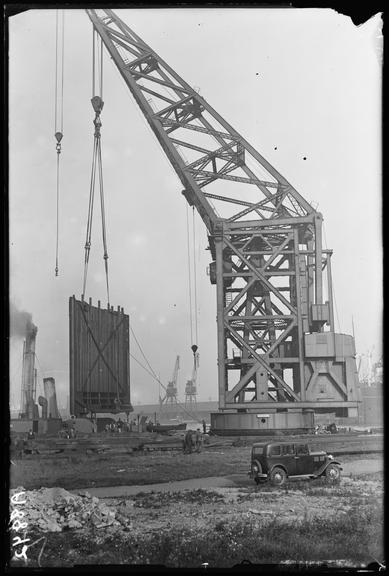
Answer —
120 425
188 442
204 426
198 440
18 447
31 435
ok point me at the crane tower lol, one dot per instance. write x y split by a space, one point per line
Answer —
171 389
278 352
191 385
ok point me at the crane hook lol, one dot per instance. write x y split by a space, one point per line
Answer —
58 137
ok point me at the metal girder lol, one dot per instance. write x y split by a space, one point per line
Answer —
264 406
129 52
268 258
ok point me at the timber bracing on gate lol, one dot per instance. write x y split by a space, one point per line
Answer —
99 359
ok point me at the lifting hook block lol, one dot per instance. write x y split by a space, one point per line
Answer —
97 104
58 136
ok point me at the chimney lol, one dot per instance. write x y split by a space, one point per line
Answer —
43 402
51 397
28 378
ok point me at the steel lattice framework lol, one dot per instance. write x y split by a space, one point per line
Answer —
265 241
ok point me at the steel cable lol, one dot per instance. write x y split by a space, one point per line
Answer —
152 373
97 166
195 275
189 274
58 113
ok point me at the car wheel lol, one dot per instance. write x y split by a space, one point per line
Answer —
333 473
278 476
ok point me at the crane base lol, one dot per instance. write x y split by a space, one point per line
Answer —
262 423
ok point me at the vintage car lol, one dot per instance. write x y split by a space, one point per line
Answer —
277 461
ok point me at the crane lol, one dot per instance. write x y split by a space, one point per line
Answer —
171 389
277 346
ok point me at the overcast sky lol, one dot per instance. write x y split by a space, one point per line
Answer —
295 83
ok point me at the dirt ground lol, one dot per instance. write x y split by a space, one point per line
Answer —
350 468
224 520
300 501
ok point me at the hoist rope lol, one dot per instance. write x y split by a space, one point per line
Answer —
195 275
56 74
58 114
62 65
93 56
97 167
141 351
90 216
189 274
101 68
103 224
57 233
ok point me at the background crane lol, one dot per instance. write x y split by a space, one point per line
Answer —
191 385
171 389
265 239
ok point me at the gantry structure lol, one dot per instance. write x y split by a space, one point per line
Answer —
277 346
170 396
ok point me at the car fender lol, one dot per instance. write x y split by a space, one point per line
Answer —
325 466
258 464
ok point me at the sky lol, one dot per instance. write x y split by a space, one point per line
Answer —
294 82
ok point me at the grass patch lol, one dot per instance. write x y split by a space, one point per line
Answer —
101 470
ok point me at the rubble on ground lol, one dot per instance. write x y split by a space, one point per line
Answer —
56 509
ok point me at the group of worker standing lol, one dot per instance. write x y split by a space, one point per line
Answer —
193 441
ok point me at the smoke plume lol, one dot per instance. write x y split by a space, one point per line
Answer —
20 322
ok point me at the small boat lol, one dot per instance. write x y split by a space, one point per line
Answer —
164 428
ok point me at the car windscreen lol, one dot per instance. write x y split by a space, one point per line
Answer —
257 450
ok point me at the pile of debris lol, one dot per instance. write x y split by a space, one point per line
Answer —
56 509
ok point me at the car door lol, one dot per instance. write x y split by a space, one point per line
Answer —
303 460
287 458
